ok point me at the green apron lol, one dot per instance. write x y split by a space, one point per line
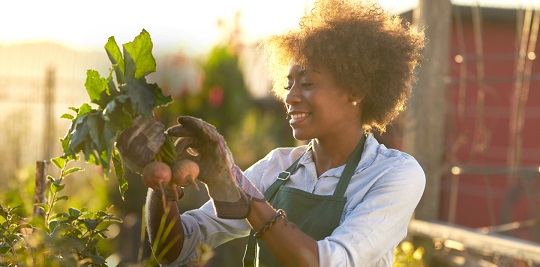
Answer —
315 215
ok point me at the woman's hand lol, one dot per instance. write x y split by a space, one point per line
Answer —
227 186
140 144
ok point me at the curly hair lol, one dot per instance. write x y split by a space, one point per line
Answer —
370 53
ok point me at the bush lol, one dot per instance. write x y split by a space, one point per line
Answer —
60 237
405 255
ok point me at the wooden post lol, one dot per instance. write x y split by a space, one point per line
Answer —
478 242
424 135
41 183
48 138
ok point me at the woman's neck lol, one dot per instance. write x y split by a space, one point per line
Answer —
328 154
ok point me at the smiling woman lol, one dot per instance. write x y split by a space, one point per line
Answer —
343 199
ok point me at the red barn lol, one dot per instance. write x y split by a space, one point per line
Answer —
492 148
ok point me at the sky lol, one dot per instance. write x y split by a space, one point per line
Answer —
179 24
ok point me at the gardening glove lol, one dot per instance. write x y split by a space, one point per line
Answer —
139 144
229 188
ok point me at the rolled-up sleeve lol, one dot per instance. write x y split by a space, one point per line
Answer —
202 226
377 220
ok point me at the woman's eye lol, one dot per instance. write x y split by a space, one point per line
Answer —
306 84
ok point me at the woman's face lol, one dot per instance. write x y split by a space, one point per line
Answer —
318 107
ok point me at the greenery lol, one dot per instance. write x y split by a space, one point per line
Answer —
67 237
94 130
405 255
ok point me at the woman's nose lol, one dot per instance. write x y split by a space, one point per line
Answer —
293 95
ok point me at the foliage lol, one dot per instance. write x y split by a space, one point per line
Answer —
223 100
405 255
68 238
94 131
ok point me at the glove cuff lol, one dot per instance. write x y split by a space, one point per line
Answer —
245 185
248 192
234 210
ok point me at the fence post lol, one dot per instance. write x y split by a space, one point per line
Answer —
41 182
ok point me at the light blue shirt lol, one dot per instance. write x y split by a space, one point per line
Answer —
381 198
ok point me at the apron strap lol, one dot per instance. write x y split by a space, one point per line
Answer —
350 167
283 177
251 248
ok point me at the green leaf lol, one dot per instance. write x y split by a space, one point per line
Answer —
59 162
144 97
97 88
62 198
115 56
55 188
94 122
72 170
113 91
53 224
138 57
44 206
73 212
78 135
67 116
119 172
90 224
59 216
85 108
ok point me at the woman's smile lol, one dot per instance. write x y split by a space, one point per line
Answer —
298 117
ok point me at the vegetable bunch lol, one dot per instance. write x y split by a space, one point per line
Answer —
96 125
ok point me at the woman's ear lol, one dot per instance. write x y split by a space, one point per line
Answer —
356 100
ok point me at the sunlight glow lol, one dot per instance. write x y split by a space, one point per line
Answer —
190 25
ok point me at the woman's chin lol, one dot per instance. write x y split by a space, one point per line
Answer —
300 136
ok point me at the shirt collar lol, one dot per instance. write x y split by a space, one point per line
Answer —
368 156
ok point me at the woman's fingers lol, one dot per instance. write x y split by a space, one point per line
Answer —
184 173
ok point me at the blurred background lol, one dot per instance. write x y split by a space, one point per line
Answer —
473 122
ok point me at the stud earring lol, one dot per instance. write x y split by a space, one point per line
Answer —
354 103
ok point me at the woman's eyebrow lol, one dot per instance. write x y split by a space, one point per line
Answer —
304 72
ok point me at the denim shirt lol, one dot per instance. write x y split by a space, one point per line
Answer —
381 198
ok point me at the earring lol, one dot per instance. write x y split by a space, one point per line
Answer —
354 103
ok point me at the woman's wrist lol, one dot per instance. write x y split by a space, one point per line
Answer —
260 214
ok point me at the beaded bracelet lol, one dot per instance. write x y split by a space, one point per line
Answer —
280 214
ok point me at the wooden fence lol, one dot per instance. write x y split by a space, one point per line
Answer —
481 249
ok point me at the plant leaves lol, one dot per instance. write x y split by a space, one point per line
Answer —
67 116
44 206
97 88
119 171
59 162
90 224
93 131
62 198
115 56
55 188
138 58
73 212
71 170
144 97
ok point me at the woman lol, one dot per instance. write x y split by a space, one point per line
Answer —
342 200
